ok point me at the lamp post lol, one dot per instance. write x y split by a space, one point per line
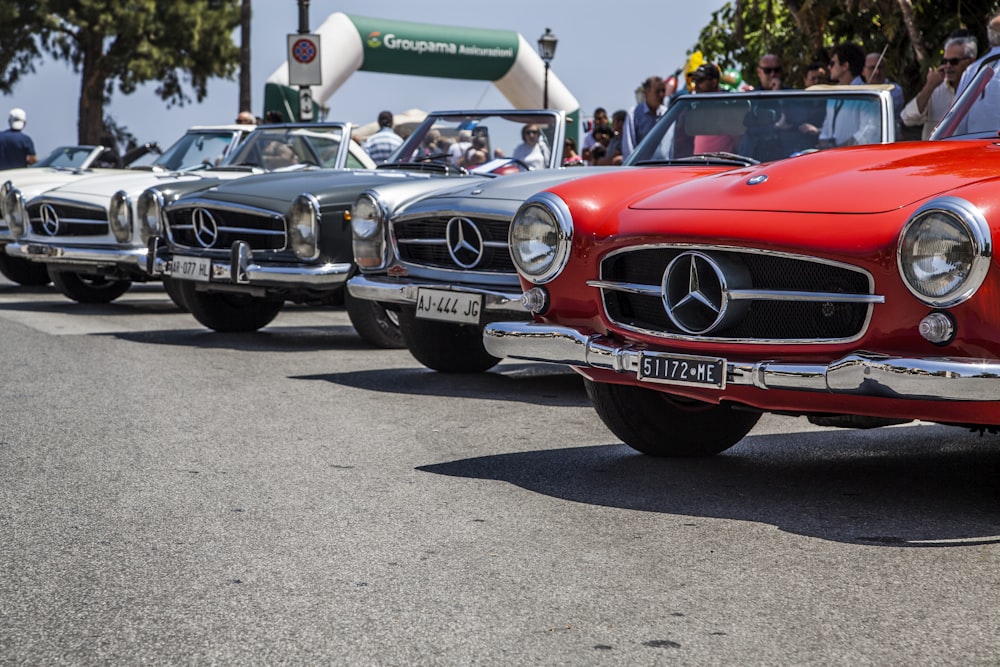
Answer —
547 50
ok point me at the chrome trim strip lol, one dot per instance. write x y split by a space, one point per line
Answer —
394 291
748 294
860 373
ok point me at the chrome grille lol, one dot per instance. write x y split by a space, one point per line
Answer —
424 242
263 230
795 317
53 217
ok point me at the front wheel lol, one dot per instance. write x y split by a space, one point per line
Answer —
23 271
376 325
229 313
85 288
173 290
658 424
444 347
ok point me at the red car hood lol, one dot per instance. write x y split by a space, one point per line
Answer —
866 179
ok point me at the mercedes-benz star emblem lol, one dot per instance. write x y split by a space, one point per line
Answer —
695 293
465 242
50 219
205 228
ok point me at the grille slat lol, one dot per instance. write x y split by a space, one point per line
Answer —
262 230
780 321
424 242
73 220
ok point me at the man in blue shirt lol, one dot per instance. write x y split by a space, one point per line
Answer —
643 116
16 148
380 145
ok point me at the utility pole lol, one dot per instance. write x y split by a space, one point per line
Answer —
245 96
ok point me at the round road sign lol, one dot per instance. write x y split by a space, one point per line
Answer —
304 51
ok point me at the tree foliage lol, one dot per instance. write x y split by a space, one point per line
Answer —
912 32
121 44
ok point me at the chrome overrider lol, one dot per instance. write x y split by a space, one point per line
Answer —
391 290
860 373
240 269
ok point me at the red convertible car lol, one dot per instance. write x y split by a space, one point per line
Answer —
855 286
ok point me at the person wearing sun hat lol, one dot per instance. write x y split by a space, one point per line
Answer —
16 148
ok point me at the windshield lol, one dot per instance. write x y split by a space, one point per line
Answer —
69 157
196 150
975 114
472 139
762 126
280 146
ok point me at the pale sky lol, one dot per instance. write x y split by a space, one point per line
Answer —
605 50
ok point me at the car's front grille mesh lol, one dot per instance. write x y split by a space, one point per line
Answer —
425 242
765 320
57 218
219 228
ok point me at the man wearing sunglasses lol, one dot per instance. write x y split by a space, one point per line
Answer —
770 72
933 100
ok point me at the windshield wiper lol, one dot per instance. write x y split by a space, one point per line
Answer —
721 157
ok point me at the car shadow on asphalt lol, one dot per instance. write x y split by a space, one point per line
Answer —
537 384
917 486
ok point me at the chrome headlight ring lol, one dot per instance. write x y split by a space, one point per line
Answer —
540 237
120 216
15 212
303 226
149 214
944 252
369 230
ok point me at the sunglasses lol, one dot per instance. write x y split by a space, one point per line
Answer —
531 132
952 61
771 70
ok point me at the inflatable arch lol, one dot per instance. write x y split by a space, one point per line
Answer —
352 43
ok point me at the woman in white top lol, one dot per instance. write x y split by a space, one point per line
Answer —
533 152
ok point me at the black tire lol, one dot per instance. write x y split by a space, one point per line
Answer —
376 325
229 313
173 290
23 271
444 347
85 288
658 424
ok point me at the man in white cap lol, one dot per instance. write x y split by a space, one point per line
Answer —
16 148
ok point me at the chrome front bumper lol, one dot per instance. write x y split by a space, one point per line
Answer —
391 290
241 270
51 253
860 373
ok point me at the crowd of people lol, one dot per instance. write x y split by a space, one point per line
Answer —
610 140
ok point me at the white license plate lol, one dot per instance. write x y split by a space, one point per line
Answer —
191 268
682 369
435 304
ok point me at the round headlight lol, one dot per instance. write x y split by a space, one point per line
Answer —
944 252
303 226
15 212
540 237
148 209
368 230
120 216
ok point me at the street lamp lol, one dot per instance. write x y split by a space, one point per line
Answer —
547 50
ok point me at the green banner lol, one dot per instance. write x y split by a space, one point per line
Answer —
421 49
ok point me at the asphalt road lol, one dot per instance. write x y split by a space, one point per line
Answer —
176 496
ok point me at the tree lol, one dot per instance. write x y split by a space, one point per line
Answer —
912 32
121 44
